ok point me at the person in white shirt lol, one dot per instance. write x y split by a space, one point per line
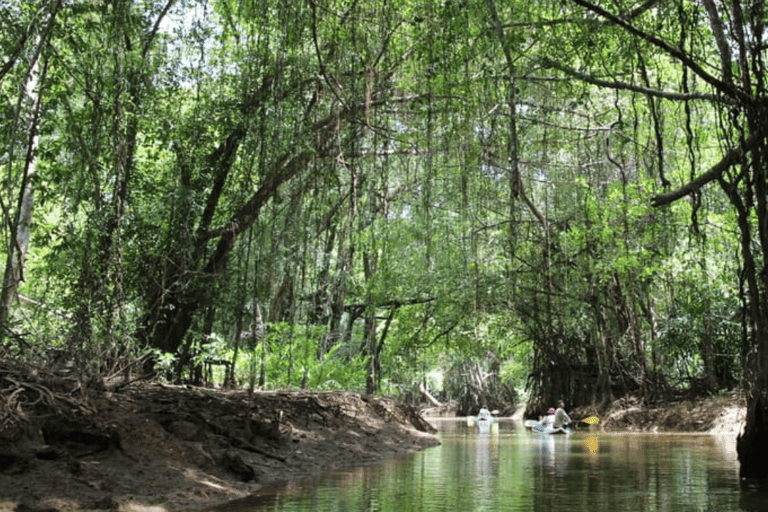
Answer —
561 417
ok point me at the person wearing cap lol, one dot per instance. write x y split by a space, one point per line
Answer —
561 417
549 419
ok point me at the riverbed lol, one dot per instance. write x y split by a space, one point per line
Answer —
516 470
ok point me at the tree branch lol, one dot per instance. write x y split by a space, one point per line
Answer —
151 36
624 86
54 5
723 46
247 215
393 303
726 88
732 157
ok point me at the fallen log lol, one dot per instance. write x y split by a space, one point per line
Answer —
434 402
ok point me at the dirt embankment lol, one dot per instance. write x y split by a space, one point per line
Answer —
715 415
154 447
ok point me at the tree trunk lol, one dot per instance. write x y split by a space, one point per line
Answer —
434 402
369 341
166 326
752 443
20 225
171 312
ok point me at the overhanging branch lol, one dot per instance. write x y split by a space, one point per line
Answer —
732 157
648 91
721 86
393 303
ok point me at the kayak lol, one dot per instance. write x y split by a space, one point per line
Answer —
474 421
484 423
489 426
541 428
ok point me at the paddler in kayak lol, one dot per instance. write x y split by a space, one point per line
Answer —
549 419
561 417
484 414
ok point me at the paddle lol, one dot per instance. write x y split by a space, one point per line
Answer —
592 420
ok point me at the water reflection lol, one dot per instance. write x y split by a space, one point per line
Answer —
514 470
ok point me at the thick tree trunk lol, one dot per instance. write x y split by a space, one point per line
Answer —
171 312
752 444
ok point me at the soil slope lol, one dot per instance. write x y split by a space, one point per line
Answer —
723 414
154 447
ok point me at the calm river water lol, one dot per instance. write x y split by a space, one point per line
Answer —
516 470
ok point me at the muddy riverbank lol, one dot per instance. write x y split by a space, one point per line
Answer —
722 414
156 447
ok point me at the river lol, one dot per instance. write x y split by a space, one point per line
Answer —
518 471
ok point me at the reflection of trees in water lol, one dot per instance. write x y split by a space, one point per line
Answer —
553 451
486 467
520 471
487 453
551 467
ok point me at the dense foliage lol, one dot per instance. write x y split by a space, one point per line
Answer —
377 195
